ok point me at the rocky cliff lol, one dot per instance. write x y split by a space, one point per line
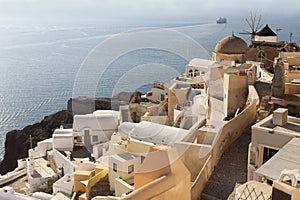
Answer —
17 142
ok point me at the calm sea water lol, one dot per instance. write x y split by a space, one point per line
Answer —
39 62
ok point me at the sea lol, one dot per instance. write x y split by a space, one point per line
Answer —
43 64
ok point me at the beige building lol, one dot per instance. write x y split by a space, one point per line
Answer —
279 177
235 93
121 171
167 179
268 137
158 92
180 94
289 62
228 90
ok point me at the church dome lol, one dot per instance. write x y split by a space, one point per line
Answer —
231 45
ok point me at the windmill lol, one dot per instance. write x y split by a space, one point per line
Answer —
254 24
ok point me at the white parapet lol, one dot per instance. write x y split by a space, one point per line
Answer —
64 185
8 193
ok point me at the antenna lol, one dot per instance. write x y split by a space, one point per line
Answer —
30 141
277 32
291 35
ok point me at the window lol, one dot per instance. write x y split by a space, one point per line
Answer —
190 73
130 169
268 153
115 169
197 73
261 55
252 158
278 194
95 138
86 132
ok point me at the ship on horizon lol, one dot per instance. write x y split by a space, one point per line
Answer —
221 20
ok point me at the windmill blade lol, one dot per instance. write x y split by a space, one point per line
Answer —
246 32
249 24
248 39
253 22
278 29
258 24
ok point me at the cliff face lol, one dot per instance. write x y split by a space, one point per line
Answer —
17 142
84 105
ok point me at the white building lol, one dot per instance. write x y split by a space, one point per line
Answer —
152 133
63 139
198 67
96 127
64 185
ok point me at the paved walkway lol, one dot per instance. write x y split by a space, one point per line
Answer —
231 169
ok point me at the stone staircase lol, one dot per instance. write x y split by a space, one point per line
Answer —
101 188
178 122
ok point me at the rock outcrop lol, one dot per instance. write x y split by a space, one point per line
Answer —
84 105
17 142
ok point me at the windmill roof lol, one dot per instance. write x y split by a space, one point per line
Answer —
266 31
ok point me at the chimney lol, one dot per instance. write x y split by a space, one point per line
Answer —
280 116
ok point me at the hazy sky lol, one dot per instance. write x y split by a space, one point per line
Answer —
144 9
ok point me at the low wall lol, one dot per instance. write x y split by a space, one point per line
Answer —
42 184
10 176
227 135
290 88
194 156
156 119
62 161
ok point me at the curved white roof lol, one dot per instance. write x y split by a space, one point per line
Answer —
99 120
203 63
63 131
153 133
125 128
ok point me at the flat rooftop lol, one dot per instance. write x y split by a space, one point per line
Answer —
289 127
292 127
288 157
42 169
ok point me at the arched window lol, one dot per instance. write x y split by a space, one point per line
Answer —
197 73
190 73
261 55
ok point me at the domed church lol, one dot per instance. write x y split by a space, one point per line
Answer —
230 48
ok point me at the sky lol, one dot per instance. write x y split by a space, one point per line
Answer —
143 9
